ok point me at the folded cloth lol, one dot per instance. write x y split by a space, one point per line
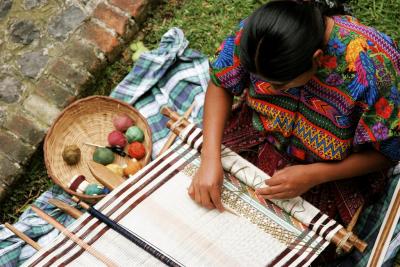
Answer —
172 75
14 251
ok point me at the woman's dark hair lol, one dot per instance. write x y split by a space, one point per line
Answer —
280 38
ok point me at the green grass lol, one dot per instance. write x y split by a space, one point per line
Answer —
381 14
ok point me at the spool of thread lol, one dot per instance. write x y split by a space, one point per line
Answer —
94 190
132 167
115 168
136 150
116 138
134 134
103 155
122 122
78 184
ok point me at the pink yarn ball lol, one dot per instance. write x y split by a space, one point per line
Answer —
122 122
116 138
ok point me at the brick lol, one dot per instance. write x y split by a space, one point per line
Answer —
54 92
86 55
25 128
8 171
104 40
14 148
41 109
136 8
67 74
111 18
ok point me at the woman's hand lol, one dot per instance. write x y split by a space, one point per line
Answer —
205 188
289 182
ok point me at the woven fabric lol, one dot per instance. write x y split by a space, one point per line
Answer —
172 75
352 100
14 251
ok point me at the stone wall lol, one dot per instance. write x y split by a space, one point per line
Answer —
50 52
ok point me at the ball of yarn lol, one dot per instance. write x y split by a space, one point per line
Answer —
115 168
103 155
122 122
134 134
136 150
71 154
106 191
132 167
94 189
116 138
78 183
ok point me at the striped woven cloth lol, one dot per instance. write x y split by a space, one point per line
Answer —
172 75
14 251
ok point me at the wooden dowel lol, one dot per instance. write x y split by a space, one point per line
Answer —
105 176
73 237
23 236
354 219
172 135
71 211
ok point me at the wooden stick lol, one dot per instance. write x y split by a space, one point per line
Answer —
23 236
172 135
73 237
354 219
386 232
105 176
71 211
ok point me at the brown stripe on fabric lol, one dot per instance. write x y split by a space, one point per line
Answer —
189 133
330 228
65 239
315 220
289 248
197 137
313 252
86 221
318 231
138 201
301 251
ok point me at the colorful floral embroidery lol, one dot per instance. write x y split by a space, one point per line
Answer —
383 108
336 47
352 100
353 51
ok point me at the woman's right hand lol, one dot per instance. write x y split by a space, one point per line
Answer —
206 185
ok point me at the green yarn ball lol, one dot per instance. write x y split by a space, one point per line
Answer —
103 156
134 134
94 189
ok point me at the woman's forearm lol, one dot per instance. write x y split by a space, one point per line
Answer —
356 164
217 107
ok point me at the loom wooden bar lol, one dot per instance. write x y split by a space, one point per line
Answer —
173 135
23 236
105 176
73 237
73 212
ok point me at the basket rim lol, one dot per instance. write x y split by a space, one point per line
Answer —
61 115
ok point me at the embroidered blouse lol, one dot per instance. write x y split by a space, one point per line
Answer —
352 100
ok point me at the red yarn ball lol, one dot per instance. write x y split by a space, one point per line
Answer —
116 138
136 150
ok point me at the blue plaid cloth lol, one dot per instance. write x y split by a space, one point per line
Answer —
172 75
14 251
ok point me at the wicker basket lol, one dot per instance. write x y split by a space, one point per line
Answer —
87 120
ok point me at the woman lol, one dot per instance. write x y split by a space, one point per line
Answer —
320 112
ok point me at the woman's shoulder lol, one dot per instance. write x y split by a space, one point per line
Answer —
351 29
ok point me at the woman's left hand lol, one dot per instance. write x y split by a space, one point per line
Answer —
289 182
